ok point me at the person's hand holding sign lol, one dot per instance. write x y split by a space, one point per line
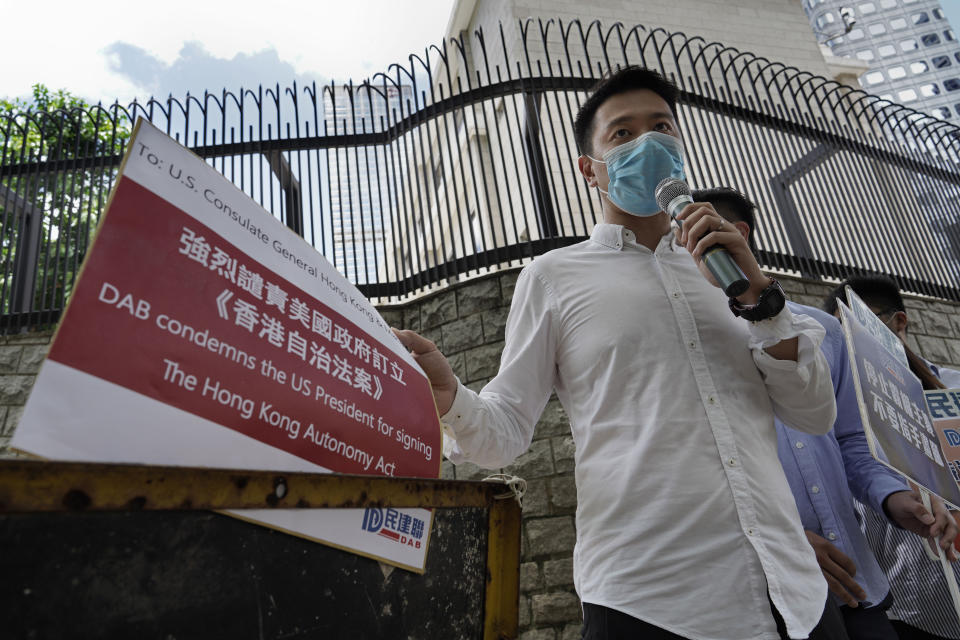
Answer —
442 380
906 509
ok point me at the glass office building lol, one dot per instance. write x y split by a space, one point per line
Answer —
912 51
362 180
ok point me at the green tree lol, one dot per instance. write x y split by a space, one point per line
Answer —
56 167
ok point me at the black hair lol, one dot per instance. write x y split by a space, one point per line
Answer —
733 206
883 293
877 291
629 78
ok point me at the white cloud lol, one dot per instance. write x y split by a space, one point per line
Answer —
196 70
73 50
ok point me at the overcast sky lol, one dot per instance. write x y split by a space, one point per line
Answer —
106 50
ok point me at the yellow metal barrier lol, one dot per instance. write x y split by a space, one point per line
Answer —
42 486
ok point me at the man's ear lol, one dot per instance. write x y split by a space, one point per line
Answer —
585 164
899 322
744 229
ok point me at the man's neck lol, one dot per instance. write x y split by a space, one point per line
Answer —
647 229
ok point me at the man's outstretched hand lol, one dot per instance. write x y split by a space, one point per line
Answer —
434 364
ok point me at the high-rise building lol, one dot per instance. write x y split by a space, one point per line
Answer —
912 51
360 179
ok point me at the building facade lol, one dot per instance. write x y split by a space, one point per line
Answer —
911 49
525 188
361 180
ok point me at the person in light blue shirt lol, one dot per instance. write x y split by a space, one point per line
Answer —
922 607
823 473
826 472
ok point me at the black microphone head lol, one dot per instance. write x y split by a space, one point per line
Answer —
668 190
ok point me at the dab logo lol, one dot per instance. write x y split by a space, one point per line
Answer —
953 437
393 525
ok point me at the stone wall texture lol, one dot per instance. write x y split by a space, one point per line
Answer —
20 358
466 320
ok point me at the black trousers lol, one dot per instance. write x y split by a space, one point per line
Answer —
602 623
908 632
868 624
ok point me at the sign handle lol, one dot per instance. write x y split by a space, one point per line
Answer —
925 496
944 562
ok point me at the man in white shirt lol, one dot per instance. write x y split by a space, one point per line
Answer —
686 527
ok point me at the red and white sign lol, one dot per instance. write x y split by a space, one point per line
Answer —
202 332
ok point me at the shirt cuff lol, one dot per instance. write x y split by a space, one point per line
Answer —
764 333
883 489
457 421
459 413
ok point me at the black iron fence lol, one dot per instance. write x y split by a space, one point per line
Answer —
463 161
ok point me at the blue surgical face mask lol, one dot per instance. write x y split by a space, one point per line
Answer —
637 167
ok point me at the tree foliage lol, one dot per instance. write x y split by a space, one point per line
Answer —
55 165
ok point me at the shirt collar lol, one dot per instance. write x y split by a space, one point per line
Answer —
616 237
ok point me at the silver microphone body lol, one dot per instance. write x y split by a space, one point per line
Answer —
672 196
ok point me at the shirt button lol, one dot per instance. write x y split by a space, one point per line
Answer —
832 535
749 532
815 489
732 462
692 344
676 294
799 445
711 400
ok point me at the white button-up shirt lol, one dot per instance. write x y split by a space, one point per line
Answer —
684 517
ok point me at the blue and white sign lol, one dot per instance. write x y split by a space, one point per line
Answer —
894 412
876 327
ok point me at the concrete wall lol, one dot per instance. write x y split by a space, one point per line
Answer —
20 359
467 322
776 29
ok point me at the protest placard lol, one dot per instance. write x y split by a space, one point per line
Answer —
874 326
203 332
944 408
899 430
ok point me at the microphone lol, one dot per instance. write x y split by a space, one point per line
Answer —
672 196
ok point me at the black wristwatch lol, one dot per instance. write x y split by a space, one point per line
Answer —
771 303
